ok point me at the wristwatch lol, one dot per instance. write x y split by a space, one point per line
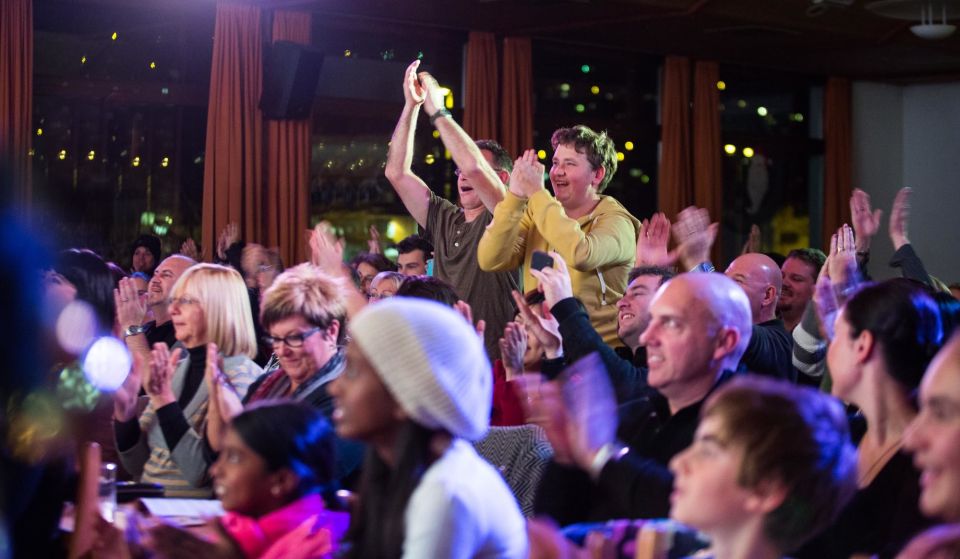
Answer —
439 114
134 330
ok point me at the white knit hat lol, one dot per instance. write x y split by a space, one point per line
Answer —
432 362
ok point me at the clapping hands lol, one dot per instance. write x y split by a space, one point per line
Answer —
159 382
526 179
413 92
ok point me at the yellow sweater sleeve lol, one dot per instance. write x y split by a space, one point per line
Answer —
503 244
611 238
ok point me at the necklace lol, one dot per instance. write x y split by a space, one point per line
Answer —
867 476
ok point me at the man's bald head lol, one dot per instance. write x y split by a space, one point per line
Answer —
725 303
160 286
699 325
761 279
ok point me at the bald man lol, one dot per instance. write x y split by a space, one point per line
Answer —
699 327
770 352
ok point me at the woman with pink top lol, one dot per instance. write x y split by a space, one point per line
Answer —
277 459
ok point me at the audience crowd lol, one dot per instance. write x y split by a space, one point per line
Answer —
539 374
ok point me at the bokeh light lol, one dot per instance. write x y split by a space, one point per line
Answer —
76 327
107 363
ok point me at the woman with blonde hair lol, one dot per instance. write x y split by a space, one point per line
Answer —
303 313
210 309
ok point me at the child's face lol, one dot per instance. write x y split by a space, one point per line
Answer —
706 494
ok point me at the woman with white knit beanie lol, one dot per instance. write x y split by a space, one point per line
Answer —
416 388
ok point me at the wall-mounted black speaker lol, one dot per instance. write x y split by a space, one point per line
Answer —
290 74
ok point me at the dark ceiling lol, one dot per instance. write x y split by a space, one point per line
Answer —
847 40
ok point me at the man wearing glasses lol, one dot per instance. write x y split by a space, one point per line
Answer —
483 168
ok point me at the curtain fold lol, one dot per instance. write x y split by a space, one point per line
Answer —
288 160
482 86
675 188
516 124
233 170
16 95
838 155
707 170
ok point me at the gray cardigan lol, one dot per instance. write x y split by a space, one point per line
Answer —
183 470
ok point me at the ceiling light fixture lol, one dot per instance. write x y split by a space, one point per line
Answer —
930 26
927 29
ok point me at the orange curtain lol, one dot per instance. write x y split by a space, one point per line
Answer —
481 83
516 124
707 172
675 189
16 91
233 172
838 159
288 160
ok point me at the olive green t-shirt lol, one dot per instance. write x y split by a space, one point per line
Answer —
455 262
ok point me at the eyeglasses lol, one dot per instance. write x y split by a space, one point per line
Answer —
293 340
182 301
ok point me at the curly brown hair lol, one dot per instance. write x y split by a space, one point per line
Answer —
597 146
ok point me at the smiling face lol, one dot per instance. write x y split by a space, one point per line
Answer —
680 341
573 178
633 309
706 494
364 409
166 274
300 363
799 279
934 436
241 479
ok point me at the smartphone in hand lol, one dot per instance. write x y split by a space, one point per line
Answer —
540 260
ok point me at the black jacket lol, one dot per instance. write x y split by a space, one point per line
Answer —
638 485
628 376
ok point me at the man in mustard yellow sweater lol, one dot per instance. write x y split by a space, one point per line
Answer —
594 233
